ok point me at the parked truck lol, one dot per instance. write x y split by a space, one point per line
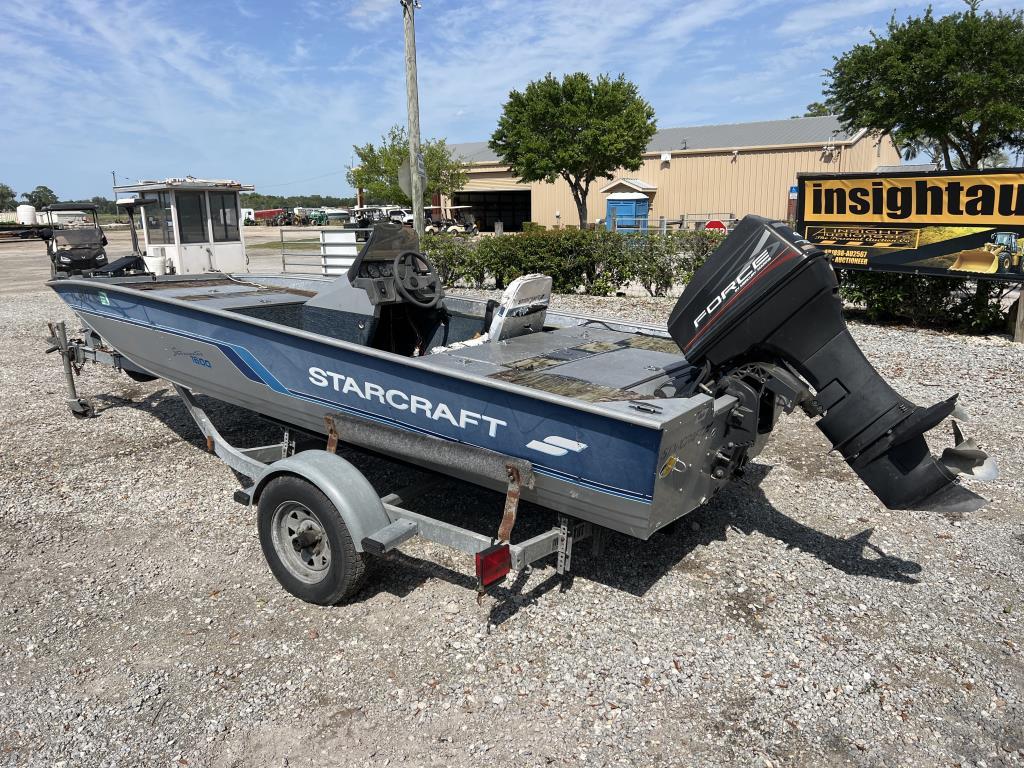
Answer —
269 216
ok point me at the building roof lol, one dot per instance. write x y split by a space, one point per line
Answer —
56 207
473 152
916 167
635 184
188 182
766 133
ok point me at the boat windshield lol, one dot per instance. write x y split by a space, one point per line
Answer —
389 240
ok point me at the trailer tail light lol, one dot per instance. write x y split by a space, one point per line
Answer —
493 564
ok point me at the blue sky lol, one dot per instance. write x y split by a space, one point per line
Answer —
276 93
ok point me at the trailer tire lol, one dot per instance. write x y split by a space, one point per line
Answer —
306 543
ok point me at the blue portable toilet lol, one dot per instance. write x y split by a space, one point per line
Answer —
629 204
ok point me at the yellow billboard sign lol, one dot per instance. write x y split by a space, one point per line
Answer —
976 198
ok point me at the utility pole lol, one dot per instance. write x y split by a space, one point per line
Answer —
413 102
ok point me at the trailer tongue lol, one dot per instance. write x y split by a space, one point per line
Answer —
769 296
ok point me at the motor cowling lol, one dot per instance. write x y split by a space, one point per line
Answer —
767 294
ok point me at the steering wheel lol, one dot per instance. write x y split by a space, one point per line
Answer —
417 280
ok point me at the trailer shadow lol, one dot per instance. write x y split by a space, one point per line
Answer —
635 566
626 564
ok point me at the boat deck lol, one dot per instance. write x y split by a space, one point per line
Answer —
585 362
227 293
590 360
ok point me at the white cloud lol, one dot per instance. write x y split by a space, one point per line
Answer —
143 87
366 14
470 59
809 19
812 18
363 15
129 86
245 10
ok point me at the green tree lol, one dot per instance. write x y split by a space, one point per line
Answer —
377 170
261 202
103 204
997 159
7 198
817 109
40 196
951 85
578 129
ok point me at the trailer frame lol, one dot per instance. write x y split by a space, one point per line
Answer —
377 534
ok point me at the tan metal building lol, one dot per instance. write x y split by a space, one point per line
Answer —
687 174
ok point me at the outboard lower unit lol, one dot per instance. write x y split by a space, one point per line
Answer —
769 297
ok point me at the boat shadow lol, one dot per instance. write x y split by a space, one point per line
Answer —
743 507
626 563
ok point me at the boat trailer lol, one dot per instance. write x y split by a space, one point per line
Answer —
494 556
612 425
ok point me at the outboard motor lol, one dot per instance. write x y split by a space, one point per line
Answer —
767 298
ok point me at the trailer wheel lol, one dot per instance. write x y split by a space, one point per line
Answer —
306 543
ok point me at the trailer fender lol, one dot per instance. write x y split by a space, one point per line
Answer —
346 487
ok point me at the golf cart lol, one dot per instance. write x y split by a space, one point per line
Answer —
456 219
363 217
74 246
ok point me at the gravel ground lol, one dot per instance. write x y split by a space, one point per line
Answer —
791 621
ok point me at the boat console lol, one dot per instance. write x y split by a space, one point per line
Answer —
391 269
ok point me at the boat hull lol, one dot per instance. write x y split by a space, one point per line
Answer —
589 462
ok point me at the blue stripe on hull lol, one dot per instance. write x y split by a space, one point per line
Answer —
635 446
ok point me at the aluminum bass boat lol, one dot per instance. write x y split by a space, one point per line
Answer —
611 423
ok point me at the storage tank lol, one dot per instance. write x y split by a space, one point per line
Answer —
26 215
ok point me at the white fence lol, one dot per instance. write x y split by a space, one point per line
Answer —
324 250
338 251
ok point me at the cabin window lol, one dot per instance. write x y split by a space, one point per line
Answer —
192 217
224 213
159 223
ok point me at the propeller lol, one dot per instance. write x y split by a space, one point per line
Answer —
966 458
959 413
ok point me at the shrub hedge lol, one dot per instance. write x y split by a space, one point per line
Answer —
599 263
937 302
596 262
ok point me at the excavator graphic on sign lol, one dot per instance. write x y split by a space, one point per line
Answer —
1005 254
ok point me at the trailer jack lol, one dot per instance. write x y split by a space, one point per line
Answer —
75 353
